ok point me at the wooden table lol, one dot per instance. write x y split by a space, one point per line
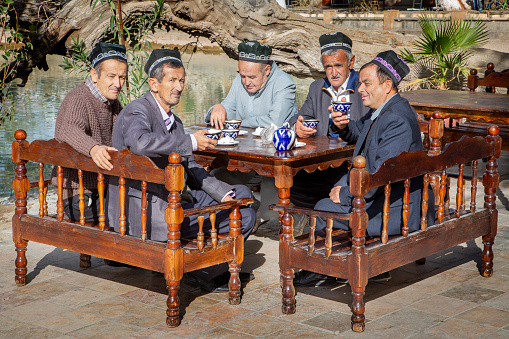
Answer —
250 154
474 106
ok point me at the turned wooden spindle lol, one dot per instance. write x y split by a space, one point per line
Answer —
443 188
42 197
213 231
60 190
490 68
81 190
424 203
406 208
436 132
328 236
100 190
200 237
491 180
122 218
459 191
386 209
20 186
473 189
143 210
312 239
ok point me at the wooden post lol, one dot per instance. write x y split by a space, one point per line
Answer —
174 257
490 181
358 261
20 186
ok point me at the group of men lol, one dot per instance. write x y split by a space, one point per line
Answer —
91 119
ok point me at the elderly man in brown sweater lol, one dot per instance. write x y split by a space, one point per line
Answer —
85 121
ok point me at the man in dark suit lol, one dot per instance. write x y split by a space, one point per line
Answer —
147 126
389 128
339 84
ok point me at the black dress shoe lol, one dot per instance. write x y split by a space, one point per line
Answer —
377 278
381 277
310 279
219 284
114 263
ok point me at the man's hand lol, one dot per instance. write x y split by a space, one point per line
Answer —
227 198
218 116
338 119
334 194
303 131
203 141
101 157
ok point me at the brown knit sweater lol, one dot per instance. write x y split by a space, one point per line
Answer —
83 121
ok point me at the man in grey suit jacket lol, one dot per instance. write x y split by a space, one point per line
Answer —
339 84
147 126
390 128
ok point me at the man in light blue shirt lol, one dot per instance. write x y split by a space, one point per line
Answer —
260 95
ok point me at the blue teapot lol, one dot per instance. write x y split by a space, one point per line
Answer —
284 138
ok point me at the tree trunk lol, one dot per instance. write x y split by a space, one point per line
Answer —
294 39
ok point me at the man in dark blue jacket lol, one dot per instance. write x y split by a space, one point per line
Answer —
339 84
389 128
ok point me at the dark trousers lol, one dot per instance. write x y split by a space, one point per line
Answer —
309 188
189 227
72 207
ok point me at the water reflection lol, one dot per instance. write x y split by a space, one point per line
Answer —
208 79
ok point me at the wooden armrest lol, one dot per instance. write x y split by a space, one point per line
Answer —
218 207
35 183
310 211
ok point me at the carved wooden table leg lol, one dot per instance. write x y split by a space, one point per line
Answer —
284 181
173 304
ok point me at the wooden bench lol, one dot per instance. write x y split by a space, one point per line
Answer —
173 258
355 256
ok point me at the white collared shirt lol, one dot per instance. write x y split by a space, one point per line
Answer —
171 121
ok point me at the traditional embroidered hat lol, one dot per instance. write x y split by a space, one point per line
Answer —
335 41
392 63
161 55
254 51
104 51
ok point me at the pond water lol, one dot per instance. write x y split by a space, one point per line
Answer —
208 79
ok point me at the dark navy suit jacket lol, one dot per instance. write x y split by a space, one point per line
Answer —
394 131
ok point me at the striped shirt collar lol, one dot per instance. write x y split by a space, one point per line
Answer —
169 119
95 91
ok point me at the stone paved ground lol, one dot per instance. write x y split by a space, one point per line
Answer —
445 298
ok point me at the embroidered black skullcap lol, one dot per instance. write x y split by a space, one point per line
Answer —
159 56
335 40
254 51
104 51
392 64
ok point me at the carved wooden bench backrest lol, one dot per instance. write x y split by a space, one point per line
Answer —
125 166
491 79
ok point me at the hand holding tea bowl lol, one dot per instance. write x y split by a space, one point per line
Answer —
342 107
232 124
213 133
339 119
306 128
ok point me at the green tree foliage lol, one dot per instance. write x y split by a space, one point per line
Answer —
443 50
135 29
13 49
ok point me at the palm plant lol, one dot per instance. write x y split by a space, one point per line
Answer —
444 48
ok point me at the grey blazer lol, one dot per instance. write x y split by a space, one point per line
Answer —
394 131
318 101
141 129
